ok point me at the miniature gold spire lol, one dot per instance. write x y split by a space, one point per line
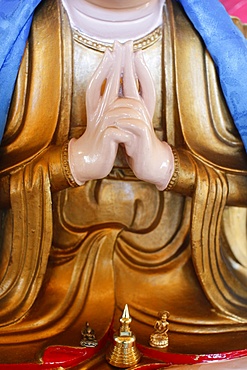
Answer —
125 321
123 353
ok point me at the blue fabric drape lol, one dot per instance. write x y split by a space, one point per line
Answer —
15 22
228 48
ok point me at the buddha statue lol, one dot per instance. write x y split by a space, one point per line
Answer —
159 338
122 180
88 337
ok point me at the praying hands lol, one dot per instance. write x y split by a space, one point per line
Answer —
120 102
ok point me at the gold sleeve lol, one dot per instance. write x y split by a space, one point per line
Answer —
56 158
187 172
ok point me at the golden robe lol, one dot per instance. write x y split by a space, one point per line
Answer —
70 255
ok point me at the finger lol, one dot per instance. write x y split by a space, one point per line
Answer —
93 93
133 134
146 83
125 138
127 108
123 110
135 127
141 139
130 89
116 135
113 81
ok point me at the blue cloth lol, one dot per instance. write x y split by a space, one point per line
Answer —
228 48
15 22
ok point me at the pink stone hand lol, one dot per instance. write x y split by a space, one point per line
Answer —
121 115
93 154
150 159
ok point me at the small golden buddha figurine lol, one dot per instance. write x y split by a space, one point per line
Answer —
123 353
88 337
159 338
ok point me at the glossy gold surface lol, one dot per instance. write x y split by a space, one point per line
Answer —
159 338
71 255
123 352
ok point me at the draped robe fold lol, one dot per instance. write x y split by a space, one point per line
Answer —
71 255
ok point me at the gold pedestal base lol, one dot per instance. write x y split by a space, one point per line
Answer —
158 341
123 353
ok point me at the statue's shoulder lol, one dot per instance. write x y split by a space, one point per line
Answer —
202 109
47 16
242 26
33 115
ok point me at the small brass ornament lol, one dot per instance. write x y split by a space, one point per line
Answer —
159 338
124 353
88 337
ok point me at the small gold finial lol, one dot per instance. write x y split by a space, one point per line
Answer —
123 353
88 337
159 338
125 321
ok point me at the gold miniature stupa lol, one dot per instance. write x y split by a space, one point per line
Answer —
124 353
